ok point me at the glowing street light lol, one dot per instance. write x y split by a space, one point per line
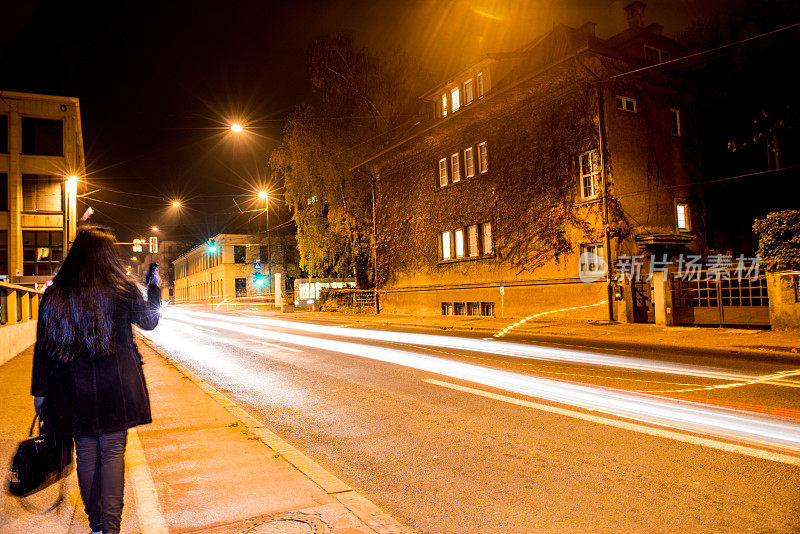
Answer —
263 195
176 204
154 228
237 128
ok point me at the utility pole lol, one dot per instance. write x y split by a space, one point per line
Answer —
374 247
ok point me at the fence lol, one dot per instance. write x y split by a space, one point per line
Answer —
351 300
19 308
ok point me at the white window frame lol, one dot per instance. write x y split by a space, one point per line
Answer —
483 158
469 92
472 241
444 239
596 249
458 234
675 122
455 99
486 239
480 84
455 167
682 211
469 162
443 172
623 101
592 176
444 105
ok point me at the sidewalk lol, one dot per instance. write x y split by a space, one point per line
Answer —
559 328
204 465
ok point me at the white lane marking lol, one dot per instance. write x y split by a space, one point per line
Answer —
273 345
695 440
150 518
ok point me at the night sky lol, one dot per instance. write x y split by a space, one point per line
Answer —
159 82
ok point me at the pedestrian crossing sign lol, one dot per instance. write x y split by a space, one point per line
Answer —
257 265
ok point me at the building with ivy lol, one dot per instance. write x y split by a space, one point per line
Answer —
536 169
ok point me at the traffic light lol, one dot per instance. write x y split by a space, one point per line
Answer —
153 244
258 279
212 246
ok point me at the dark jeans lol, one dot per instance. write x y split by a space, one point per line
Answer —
101 476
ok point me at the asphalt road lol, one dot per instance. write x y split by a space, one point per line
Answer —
456 434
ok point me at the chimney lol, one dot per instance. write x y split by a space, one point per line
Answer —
635 11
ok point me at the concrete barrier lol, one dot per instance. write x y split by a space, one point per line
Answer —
19 308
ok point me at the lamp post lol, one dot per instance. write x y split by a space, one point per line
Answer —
264 195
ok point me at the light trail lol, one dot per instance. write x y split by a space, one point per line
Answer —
671 413
502 348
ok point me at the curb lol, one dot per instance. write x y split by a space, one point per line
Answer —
367 511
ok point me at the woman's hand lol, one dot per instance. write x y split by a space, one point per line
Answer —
38 405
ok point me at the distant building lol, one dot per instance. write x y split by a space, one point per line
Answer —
495 204
233 267
41 146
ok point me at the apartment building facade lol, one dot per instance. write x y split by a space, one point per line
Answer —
499 204
234 266
41 159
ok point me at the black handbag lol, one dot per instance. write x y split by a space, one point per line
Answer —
39 461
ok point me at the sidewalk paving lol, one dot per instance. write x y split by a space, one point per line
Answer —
560 328
203 465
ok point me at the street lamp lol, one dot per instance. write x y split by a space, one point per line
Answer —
264 195
154 228
176 204
237 128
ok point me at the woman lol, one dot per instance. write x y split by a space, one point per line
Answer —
88 369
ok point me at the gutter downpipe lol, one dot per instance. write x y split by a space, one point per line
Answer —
601 127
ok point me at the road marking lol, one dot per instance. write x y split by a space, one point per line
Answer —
694 440
150 518
273 345
755 380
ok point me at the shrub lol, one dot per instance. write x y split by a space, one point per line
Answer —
779 240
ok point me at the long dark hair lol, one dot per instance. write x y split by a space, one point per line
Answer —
78 308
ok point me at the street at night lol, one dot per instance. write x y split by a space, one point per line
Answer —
447 439
399 267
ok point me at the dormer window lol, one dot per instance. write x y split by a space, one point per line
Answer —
444 105
454 99
655 55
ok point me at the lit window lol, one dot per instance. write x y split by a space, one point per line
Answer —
444 105
445 239
454 99
468 96
469 163
592 258
480 85
486 230
455 167
472 240
442 172
625 103
675 119
682 214
483 158
589 172
459 235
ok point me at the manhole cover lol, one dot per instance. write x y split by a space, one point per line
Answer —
288 524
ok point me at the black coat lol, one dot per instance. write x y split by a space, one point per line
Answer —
91 396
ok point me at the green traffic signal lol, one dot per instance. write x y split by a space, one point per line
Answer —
212 246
